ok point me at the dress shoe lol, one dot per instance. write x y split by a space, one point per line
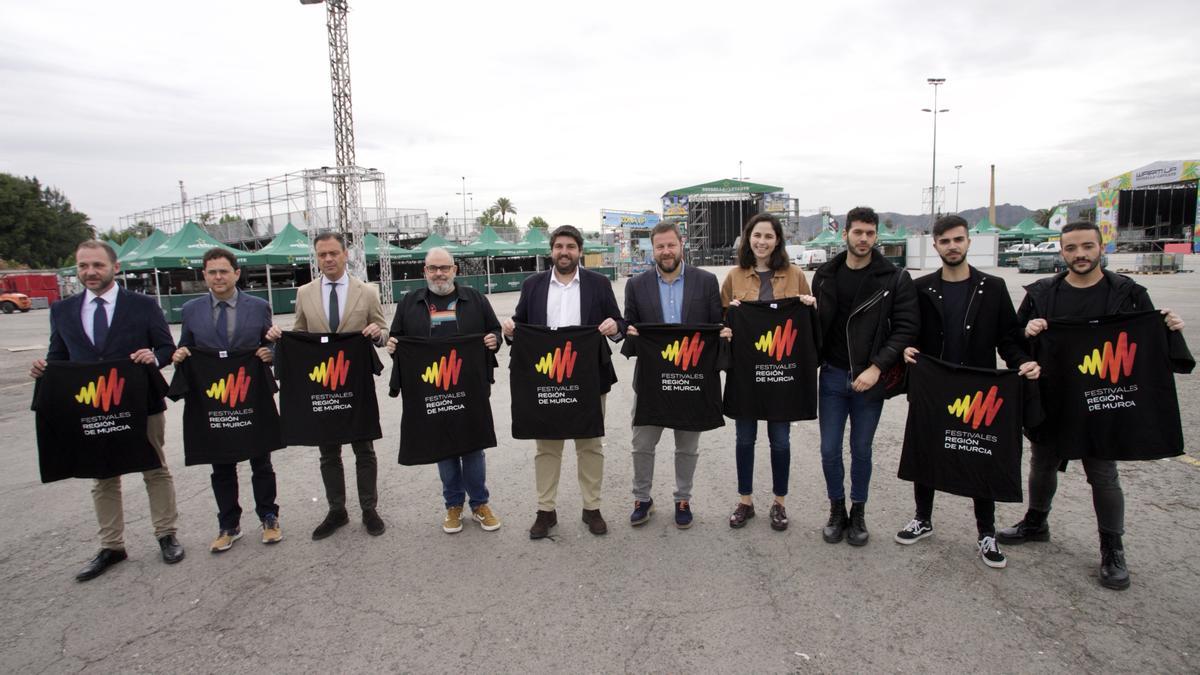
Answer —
741 513
541 526
856 534
106 558
374 523
333 520
595 521
172 550
1113 572
1033 527
835 529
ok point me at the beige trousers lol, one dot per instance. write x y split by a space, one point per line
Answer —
547 464
160 486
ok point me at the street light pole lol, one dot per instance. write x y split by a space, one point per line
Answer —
957 182
464 195
935 82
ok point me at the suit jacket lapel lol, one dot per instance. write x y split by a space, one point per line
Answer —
320 322
75 324
585 299
354 293
690 290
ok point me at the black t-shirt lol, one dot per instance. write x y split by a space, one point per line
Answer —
955 295
765 290
772 374
1081 303
91 418
555 382
677 380
327 388
848 282
229 406
443 321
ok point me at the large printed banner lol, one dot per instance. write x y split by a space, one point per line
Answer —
447 405
91 418
555 382
229 406
773 374
1109 388
327 388
678 385
963 434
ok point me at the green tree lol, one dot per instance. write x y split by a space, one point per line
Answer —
229 218
441 225
504 207
489 217
1042 216
38 227
538 223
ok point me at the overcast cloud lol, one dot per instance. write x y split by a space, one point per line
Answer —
567 108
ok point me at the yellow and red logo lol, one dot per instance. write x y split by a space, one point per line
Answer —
978 409
444 372
558 365
104 393
1113 362
779 342
331 374
685 353
231 390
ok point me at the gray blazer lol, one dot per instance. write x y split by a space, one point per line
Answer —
251 325
701 300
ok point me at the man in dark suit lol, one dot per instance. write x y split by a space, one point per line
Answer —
669 293
569 295
102 323
228 319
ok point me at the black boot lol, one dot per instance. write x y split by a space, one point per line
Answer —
1113 573
857 534
1033 527
835 529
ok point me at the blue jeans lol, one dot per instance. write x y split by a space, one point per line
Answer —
837 402
779 438
462 476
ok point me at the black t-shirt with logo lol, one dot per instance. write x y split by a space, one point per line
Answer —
677 382
555 381
446 397
91 418
229 406
327 388
963 434
848 282
772 373
443 319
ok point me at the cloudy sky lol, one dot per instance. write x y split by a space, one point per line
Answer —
567 108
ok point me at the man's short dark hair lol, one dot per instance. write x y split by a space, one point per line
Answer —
947 223
330 234
1076 226
862 214
567 231
218 252
102 245
664 227
745 255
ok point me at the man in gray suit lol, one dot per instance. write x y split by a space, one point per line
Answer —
228 319
669 293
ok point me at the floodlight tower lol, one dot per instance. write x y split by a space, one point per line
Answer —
345 175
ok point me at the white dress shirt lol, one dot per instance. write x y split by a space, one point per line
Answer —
343 286
88 310
562 302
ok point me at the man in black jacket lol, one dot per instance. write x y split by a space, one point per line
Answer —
867 309
1084 290
443 309
966 317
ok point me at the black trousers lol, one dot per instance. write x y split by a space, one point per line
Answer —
334 476
1108 499
985 509
225 489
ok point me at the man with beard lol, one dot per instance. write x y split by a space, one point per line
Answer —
667 294
443 309
337 302
868 313
1085 290
108 322
569 295
966 317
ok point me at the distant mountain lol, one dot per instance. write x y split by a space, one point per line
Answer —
1007 215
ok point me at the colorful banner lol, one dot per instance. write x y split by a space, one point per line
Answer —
1106 218
675 207
629 219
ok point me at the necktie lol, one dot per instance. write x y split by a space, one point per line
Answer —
334 312
223 324
100 324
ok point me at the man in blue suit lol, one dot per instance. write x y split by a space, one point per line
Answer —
228 319
569 295
107 322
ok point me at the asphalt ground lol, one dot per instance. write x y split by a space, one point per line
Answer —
652 598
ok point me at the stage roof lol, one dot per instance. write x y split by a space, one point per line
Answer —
726 185
1155 173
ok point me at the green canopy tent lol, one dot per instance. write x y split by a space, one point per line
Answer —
491 245
184 250
984 226
1027 230
126 246
889 237
372 244
289 247
148 244
824 238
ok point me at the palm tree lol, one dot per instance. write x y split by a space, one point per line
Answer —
505 207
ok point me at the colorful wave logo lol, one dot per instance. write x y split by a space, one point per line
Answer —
1113 362
978 409
779 342
332 374
232 390
104 393
685 353
444 372
558 365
